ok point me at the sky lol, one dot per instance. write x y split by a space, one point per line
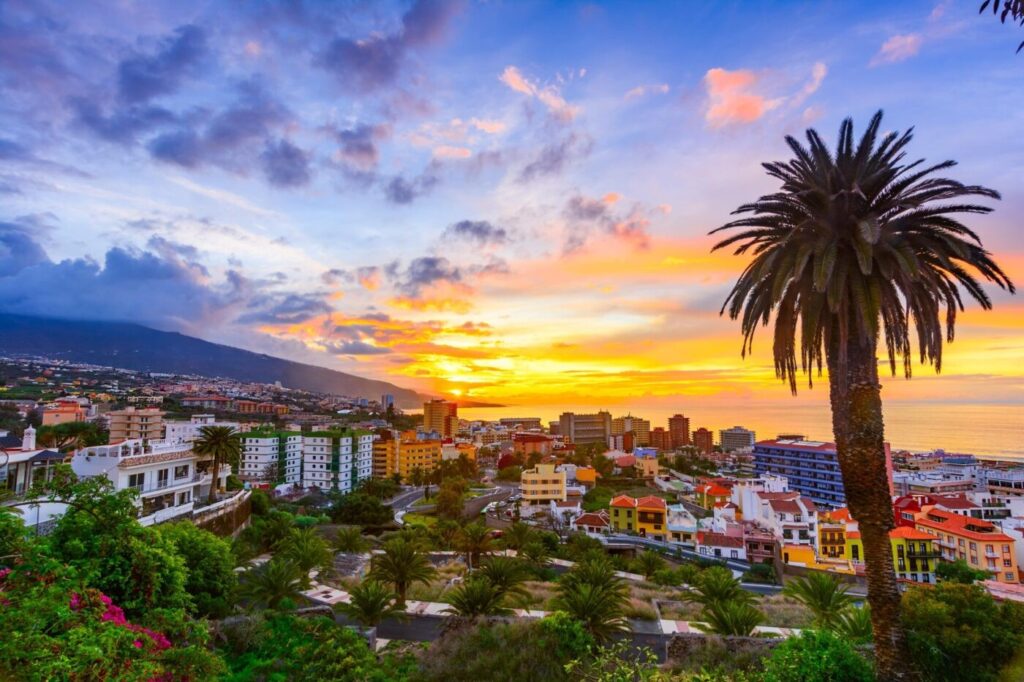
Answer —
505 201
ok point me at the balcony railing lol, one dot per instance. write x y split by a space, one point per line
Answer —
144 488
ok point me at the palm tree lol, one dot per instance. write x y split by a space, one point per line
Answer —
856 244
402 564
823 594
1014 9
736 618
716 586
349 539
272 583
518 536
854 624
477 597
506 574
474 539
224 444
535 553
599 608
371 602
648 563
306 549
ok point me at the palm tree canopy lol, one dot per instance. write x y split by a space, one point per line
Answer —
477 597
858 240
222 440
823 594
271 583
306 549
599 608
402 564
1012 9
717 586
506 574
854 624
371 602
350 539
737 618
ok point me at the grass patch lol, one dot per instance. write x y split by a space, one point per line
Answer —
783 612
640 609
412 519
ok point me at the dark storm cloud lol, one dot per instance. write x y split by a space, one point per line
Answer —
18 250
124 125
288 308
143 77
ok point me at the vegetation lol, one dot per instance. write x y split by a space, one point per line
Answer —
224 444
371 602
477 597
350 539
307 550
592 594
276 584
855 245
360 508
959 571
71 436
648 563
823 594
1012 9
474 540
816 656
854 625
737 618
211 578
402 564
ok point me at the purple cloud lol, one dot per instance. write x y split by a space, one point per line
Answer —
143 77
285 165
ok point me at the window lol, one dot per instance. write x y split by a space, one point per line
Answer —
136 480
162 477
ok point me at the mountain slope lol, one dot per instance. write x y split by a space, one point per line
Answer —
132 346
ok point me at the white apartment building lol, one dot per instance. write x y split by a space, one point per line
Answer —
736 438
789 516
744 492
336 460
169 477
188 431
265 453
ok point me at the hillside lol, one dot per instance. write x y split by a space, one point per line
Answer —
132 346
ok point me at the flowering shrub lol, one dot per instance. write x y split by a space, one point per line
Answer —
114 614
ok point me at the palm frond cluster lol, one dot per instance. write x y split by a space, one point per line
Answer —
1006 9
858 241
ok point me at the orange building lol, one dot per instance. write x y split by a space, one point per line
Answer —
980 543
704 439
63 413
679 430
529 443
441 417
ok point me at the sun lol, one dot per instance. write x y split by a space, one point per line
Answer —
456 392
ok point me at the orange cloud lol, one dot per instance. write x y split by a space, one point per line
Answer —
549 95
897 48
451 152
730 99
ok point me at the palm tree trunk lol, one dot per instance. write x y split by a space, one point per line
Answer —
860 444
213 483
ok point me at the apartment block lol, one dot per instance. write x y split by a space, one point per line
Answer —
585 429
402 456
336 460
679 430
980 543
441 417
273 457
736 438
640 428
133 423
542 484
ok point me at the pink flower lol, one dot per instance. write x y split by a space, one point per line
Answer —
137 644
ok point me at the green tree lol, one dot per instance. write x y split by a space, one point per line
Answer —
71 436
371 603
715 586
401 564
506 574
855 245
448 504
308 550
648 563
224 445
854 625
517 536
211 567
823 594
275 584
737 618
536 554
361 509
816 656
959 571
477 597
474 540
618 662
959 633
349 539
594 595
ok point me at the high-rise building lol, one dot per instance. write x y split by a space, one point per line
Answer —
736 438
329 460
441 417
811 467
640 428
660 438
387 400
270 456
704 439
584 429
679 430
133 423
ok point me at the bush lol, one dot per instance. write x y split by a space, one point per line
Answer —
817 656
958 632
760 573
211 578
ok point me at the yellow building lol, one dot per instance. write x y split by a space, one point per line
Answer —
586 476
641 429
133 423
441 417
404 456
914 553
455 450
542 484
980 543
832 533
622 513
650 517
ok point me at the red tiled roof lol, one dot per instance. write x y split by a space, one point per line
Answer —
785 506
623 501
591 519
714 490
651 501
908 533
718 540
625 461
954 524
954 502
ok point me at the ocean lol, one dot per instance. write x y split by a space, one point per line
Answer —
986 430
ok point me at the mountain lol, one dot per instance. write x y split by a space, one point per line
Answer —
132 346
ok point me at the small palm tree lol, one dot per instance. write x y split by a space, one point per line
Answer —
402 564
716 586
272 584
594 571
860 244
648 563
736 618
224 444
518 536
349 539
475 539
599 608
307 550
506 574
535 554
477 597
823 594
371 602
854 624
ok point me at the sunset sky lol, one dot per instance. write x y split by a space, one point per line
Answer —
503 200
